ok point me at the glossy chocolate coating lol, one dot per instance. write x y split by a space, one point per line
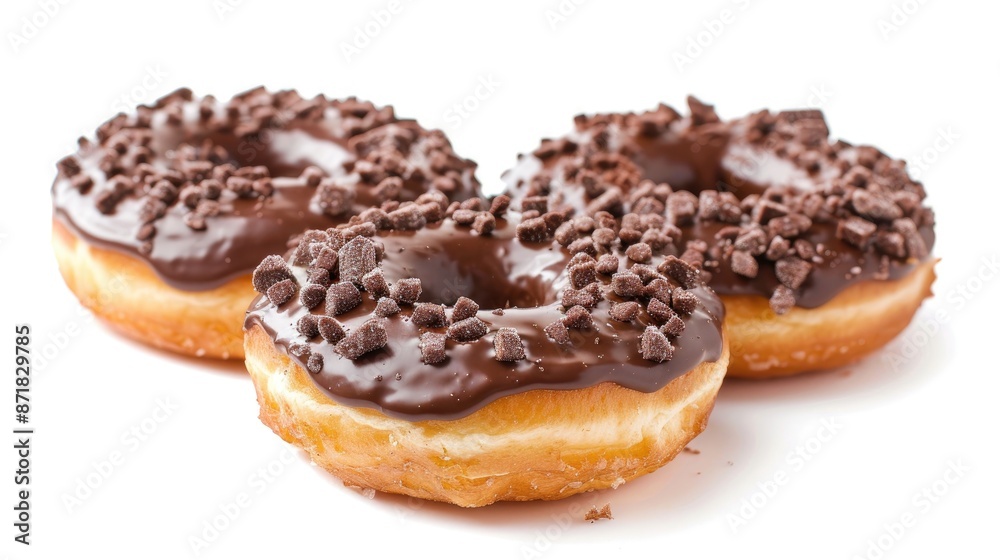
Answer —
247 229
722 156
497 271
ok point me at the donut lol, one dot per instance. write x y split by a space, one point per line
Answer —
159 221
819 249
475 360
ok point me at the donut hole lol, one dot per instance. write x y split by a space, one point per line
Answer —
683 163
495 273
287 153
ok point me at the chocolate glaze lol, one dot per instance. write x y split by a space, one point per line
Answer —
330 136
726 156
497 271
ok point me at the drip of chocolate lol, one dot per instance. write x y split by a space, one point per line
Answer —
443 319
202 190
764 205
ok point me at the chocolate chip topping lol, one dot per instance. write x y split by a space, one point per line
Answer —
467 330
332 198
507 345
558 332
654 346
533 230
792 271
429 315
744 264
308 326
330 329
499 205
367 338
375 284
406 291
314 364
560 305
684 302
433 347
341 298
659 311
464 309
202 189
311 295
484 224
640 253
280 292
624 311
577 317
849 213
272 269
357 258
856 231
627 284
386 307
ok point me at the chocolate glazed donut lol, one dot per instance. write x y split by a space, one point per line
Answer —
473 359
819 249
159 222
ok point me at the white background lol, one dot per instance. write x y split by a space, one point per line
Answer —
922 84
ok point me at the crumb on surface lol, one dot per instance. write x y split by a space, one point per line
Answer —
594 514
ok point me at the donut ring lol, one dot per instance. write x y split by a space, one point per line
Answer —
580 378
820 250
181 200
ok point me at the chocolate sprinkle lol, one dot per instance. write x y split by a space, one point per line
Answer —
577 317
311 295
314 364
583 273
684 302
272 269
627 284
607 265
654 346
558 332
341 298
507 345
571 297
484 223
432 348
463 309
624 311
330 329
429 315
499 205
744 264
367 338
375 284
386 307
783 300
640 253
467 330
308 326
856 231
533 230
281 292
673 327
406 291
357 258
680 271
792 271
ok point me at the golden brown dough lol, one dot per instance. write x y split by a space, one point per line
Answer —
127 294
535 445
859 320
